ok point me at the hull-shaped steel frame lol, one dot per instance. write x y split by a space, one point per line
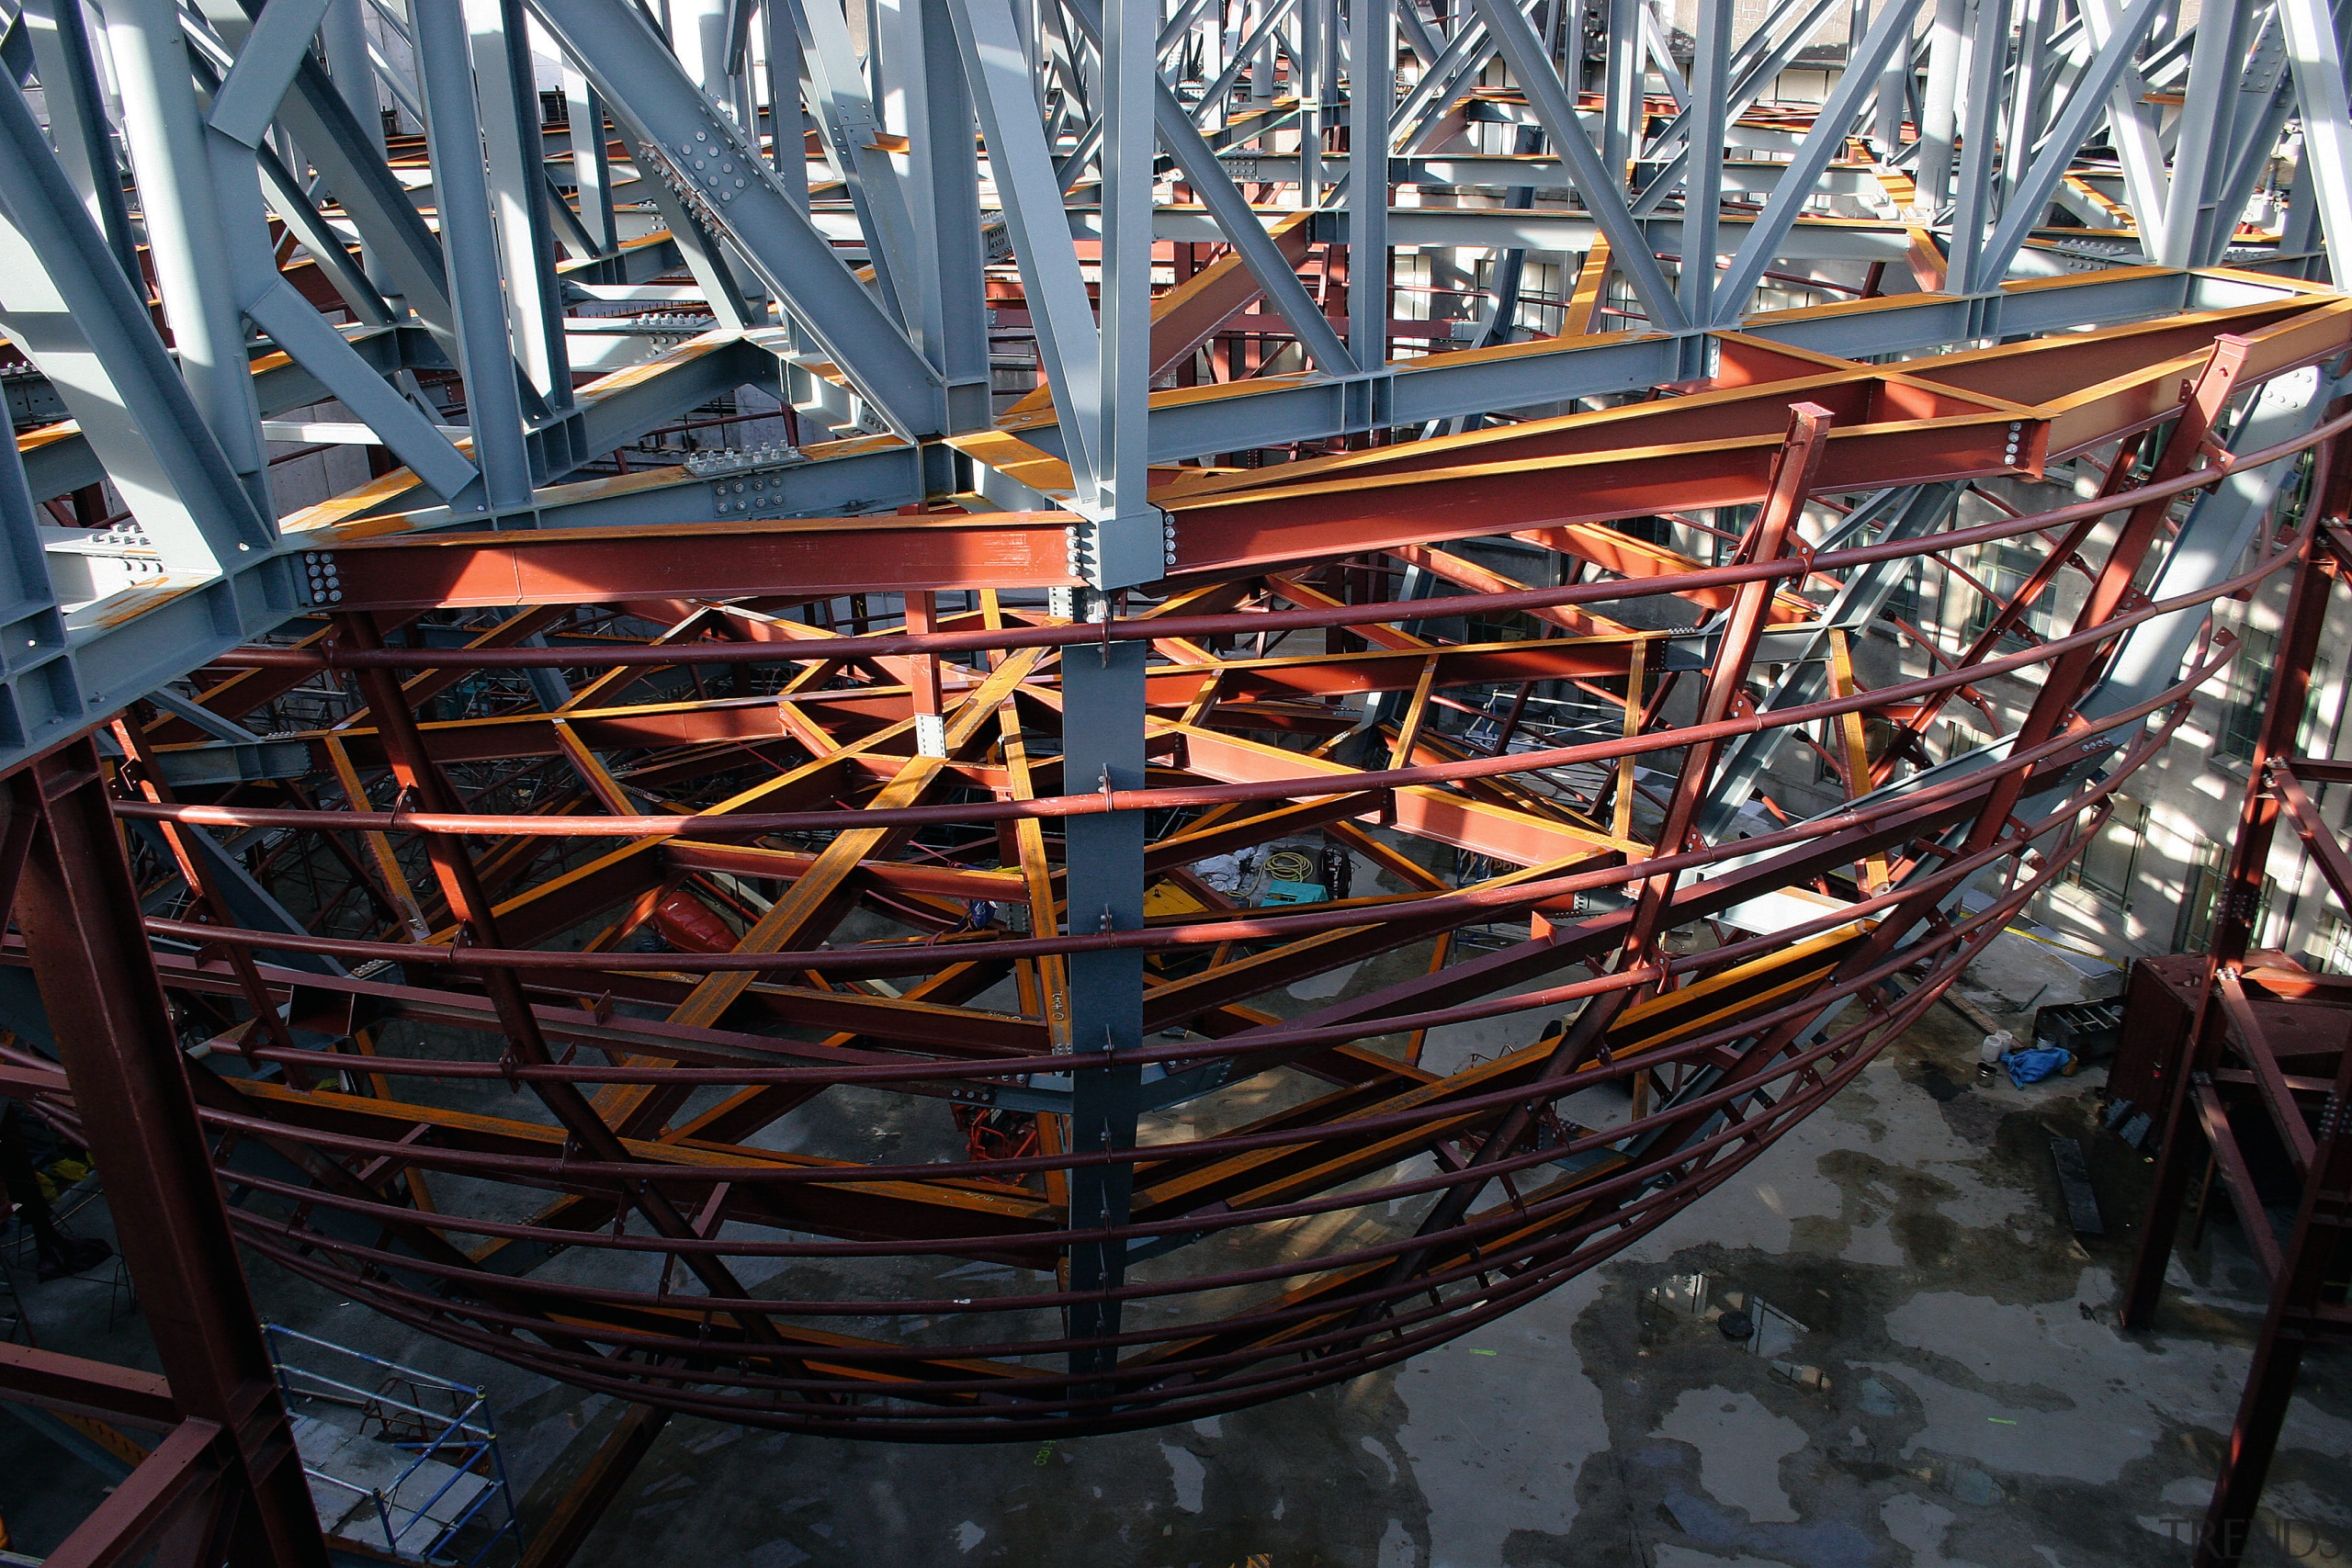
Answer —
748 921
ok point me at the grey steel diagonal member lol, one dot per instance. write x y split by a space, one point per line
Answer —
734 190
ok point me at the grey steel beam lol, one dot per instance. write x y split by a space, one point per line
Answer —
845 115
1939 103
2131 123
1102 693
1020 164
1372 41
946 168
246 101
352 169
1980 180
1747 83
591 167
2200 147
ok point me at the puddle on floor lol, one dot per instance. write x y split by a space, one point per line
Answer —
1686 1303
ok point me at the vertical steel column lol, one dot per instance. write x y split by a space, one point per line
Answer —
950 177
2131 127
1316 40
2200 145
2321 95
77 121
1702 189
1102 687
1947 39
788 147
1622 109
186 243
81 920
1102 697
845 111
470 246
592 166
517 171
1979 173
2025 93
1371 67
944 301
1894 94
345 33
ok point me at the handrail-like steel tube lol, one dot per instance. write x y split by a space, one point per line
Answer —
460 1161
1168 796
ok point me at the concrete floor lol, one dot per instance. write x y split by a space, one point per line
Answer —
1937 1381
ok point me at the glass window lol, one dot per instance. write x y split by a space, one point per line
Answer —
1908 602
2249 686
2197 905
2003 567
2109 868
2331 946
2203 903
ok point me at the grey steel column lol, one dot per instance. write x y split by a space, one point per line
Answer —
789 146
344 34
517 175
2087 101
1622 110
947 175
1703 197
1938 122
1830 128
1980 179
2033 67
935 209
845 111
77 121
470 246
2202 132
592 165
1102 697
1894 89
186 242
1372 68
1102 687
2326 172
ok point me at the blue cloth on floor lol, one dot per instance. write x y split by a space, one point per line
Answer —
2034 1064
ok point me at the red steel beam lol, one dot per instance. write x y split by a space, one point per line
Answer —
581 566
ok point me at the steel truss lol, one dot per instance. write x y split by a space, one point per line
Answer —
562 849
